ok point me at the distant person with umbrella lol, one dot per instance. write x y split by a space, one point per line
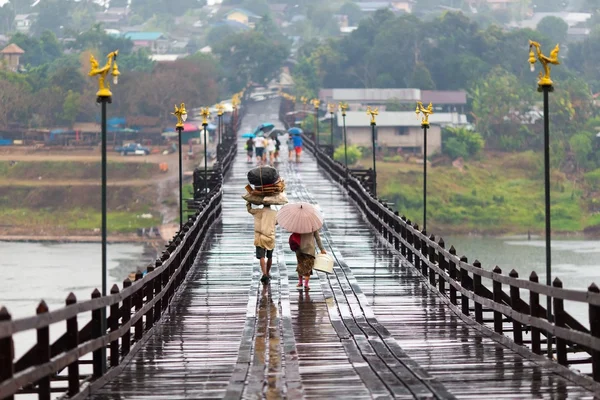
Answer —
265 219
304 220
297 141
259 149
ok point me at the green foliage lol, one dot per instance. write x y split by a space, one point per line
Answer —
421 78
353 152
461 142
38 51
592 178
70 107
554 28
353 11
581 146
308 124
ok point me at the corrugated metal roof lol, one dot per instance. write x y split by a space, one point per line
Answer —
367 95
444 96
398 118
143 36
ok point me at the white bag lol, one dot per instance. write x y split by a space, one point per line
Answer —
324 263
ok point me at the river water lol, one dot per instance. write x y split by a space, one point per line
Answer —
34 271
31 272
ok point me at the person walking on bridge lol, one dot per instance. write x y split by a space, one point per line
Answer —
297 146
305 255
265 219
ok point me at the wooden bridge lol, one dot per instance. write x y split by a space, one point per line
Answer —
400 317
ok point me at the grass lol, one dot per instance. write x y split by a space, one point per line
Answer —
502 193
75 219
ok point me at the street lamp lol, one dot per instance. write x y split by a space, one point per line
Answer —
181 115
235 102
344 107
316 103
545 85
220 109
205 114
332 107
426 111
104 96
373 113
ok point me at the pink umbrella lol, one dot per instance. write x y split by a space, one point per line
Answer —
300 218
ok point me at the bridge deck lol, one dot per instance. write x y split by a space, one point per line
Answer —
372 329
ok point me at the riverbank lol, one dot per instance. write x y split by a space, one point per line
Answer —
499 194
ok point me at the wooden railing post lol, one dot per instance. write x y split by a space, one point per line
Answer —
157 289
515 298
403 235
7 352
43 353
534 305
594 315
72 342
96 333
424 254
409 240
452 273
417 245
477 291
464 300
126 339
431 260
443 266
497 295
139 300
559 320
114 326
397 230
149 297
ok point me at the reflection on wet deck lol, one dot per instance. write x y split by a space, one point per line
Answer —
371 330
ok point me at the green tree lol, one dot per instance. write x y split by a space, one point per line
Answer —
7 17
461 142
581 146
38 51
53 15
250 56
219 33
353 152
554 28
421 78
138 61
353 11
70 107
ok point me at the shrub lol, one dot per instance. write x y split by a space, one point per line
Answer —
461 142
354 154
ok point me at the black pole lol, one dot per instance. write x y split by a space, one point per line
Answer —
374 142
104 101
205 162
546 90
345 145
331 132
317 126
180 130
424 177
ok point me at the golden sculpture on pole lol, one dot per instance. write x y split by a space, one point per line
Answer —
205 114
425 111
181 114
316 103
331 107
220 109
544 77
344 108
111 63
372 113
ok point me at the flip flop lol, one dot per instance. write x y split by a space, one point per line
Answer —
306 288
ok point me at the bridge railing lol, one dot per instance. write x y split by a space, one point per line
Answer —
511 307
131 313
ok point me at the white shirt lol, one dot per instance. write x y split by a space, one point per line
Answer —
270 145
259 142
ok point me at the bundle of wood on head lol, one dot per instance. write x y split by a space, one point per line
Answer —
266 187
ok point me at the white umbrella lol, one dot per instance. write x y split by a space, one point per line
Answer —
300 218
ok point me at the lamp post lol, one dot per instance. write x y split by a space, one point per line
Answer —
426 111
104 97
373 113
181 115
316 103
220 109
546 86
331 108
344 107
235 102
205 114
